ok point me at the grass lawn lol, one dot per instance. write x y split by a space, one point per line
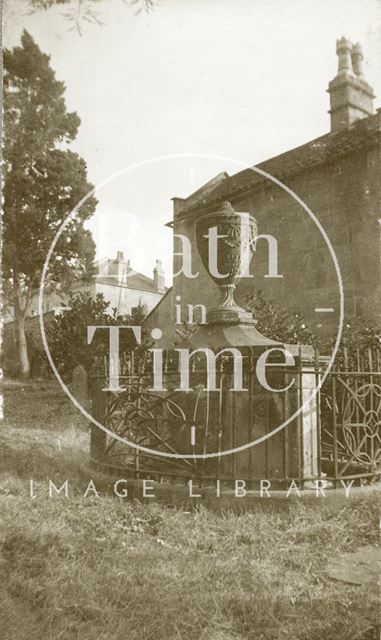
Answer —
107 569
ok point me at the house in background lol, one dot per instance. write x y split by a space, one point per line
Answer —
125 288
121 286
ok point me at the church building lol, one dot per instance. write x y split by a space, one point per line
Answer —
337 178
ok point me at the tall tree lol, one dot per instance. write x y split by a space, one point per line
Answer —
43 181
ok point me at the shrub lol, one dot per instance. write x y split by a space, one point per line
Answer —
67 333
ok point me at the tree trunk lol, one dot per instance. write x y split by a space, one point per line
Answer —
22 346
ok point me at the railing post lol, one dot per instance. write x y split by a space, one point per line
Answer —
318 411
334 419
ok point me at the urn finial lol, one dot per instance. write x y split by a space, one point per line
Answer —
230 236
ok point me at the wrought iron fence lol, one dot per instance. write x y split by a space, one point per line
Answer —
196 423
348 429
351 417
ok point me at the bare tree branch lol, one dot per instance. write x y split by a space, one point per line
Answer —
80 11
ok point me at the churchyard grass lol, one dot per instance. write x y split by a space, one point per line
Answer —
107 569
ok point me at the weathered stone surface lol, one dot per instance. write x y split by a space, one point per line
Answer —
79 385
360 568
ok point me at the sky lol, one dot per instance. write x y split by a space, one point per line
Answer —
169 99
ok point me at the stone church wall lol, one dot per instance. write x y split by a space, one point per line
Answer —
345 197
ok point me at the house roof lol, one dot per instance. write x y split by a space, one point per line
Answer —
319 151
154 309
136 281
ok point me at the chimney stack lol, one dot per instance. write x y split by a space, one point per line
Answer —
158 277
117 267
351 97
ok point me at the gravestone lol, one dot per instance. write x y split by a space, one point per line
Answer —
79 386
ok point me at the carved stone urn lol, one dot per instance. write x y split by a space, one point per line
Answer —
225 241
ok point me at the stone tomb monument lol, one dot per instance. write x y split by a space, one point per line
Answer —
239 387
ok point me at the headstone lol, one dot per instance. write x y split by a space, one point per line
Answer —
79 386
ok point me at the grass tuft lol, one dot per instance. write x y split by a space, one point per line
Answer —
108 569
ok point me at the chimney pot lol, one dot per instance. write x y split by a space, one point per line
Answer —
357 60
351 97
344 50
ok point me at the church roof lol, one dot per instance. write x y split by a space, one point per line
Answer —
319 151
